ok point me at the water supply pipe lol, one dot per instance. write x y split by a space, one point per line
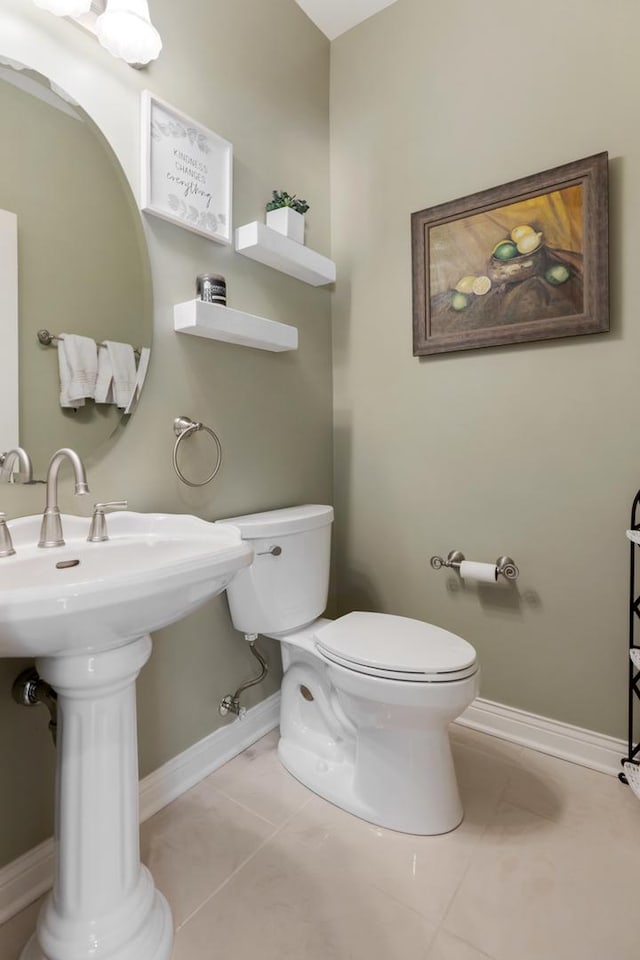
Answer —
231 703
29 689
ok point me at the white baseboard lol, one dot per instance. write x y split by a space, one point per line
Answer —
562 740
28 877
25 879
190 767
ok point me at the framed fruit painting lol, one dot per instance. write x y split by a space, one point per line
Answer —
524 261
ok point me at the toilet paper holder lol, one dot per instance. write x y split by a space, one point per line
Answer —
504 565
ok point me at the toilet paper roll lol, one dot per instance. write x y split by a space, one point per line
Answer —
483 572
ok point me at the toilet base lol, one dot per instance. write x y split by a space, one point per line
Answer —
337 781
375 747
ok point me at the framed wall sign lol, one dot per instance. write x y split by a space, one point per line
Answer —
187 171
524 261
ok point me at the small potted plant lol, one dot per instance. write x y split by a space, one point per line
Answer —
286 215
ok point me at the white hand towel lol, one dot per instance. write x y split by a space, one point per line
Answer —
143 366
78 365
104 383
65 379
82 357
123 363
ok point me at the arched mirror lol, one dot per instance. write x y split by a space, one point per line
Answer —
82 263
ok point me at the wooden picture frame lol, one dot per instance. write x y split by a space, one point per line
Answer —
524 261
187 171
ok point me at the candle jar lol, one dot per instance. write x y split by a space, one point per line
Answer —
212 288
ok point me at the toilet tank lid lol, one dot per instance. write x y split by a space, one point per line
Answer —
272 523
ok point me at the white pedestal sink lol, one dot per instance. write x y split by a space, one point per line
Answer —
87 625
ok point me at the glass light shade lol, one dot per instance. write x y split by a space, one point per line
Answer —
126 31
65 8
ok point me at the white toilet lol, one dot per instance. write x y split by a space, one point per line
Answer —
366 699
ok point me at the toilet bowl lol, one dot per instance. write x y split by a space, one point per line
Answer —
366 699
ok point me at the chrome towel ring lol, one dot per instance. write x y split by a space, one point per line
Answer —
184 427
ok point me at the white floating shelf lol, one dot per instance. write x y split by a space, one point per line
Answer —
215 322
259 242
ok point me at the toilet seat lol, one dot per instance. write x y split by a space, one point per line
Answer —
396 648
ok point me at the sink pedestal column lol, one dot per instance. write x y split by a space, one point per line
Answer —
104 902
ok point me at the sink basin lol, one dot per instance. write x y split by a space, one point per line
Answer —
85 611
154 570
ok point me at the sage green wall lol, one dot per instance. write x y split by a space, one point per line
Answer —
528 450
257 74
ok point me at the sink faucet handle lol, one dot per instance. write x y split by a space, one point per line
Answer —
6 546
98 529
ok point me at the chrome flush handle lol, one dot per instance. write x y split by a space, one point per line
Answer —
271 552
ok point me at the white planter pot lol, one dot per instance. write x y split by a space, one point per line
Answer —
288 222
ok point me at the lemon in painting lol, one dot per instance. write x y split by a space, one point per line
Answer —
522 231
466 284
557 274
459 301
529 243
481 285
505 250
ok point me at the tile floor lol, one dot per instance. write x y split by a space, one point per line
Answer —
546 866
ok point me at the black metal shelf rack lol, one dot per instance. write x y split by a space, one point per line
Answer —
633 750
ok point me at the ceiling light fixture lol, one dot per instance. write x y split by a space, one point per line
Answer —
126 31
65 8
123 27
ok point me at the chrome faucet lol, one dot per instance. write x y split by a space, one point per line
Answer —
51 529
7 461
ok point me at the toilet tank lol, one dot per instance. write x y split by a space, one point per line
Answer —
281 593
